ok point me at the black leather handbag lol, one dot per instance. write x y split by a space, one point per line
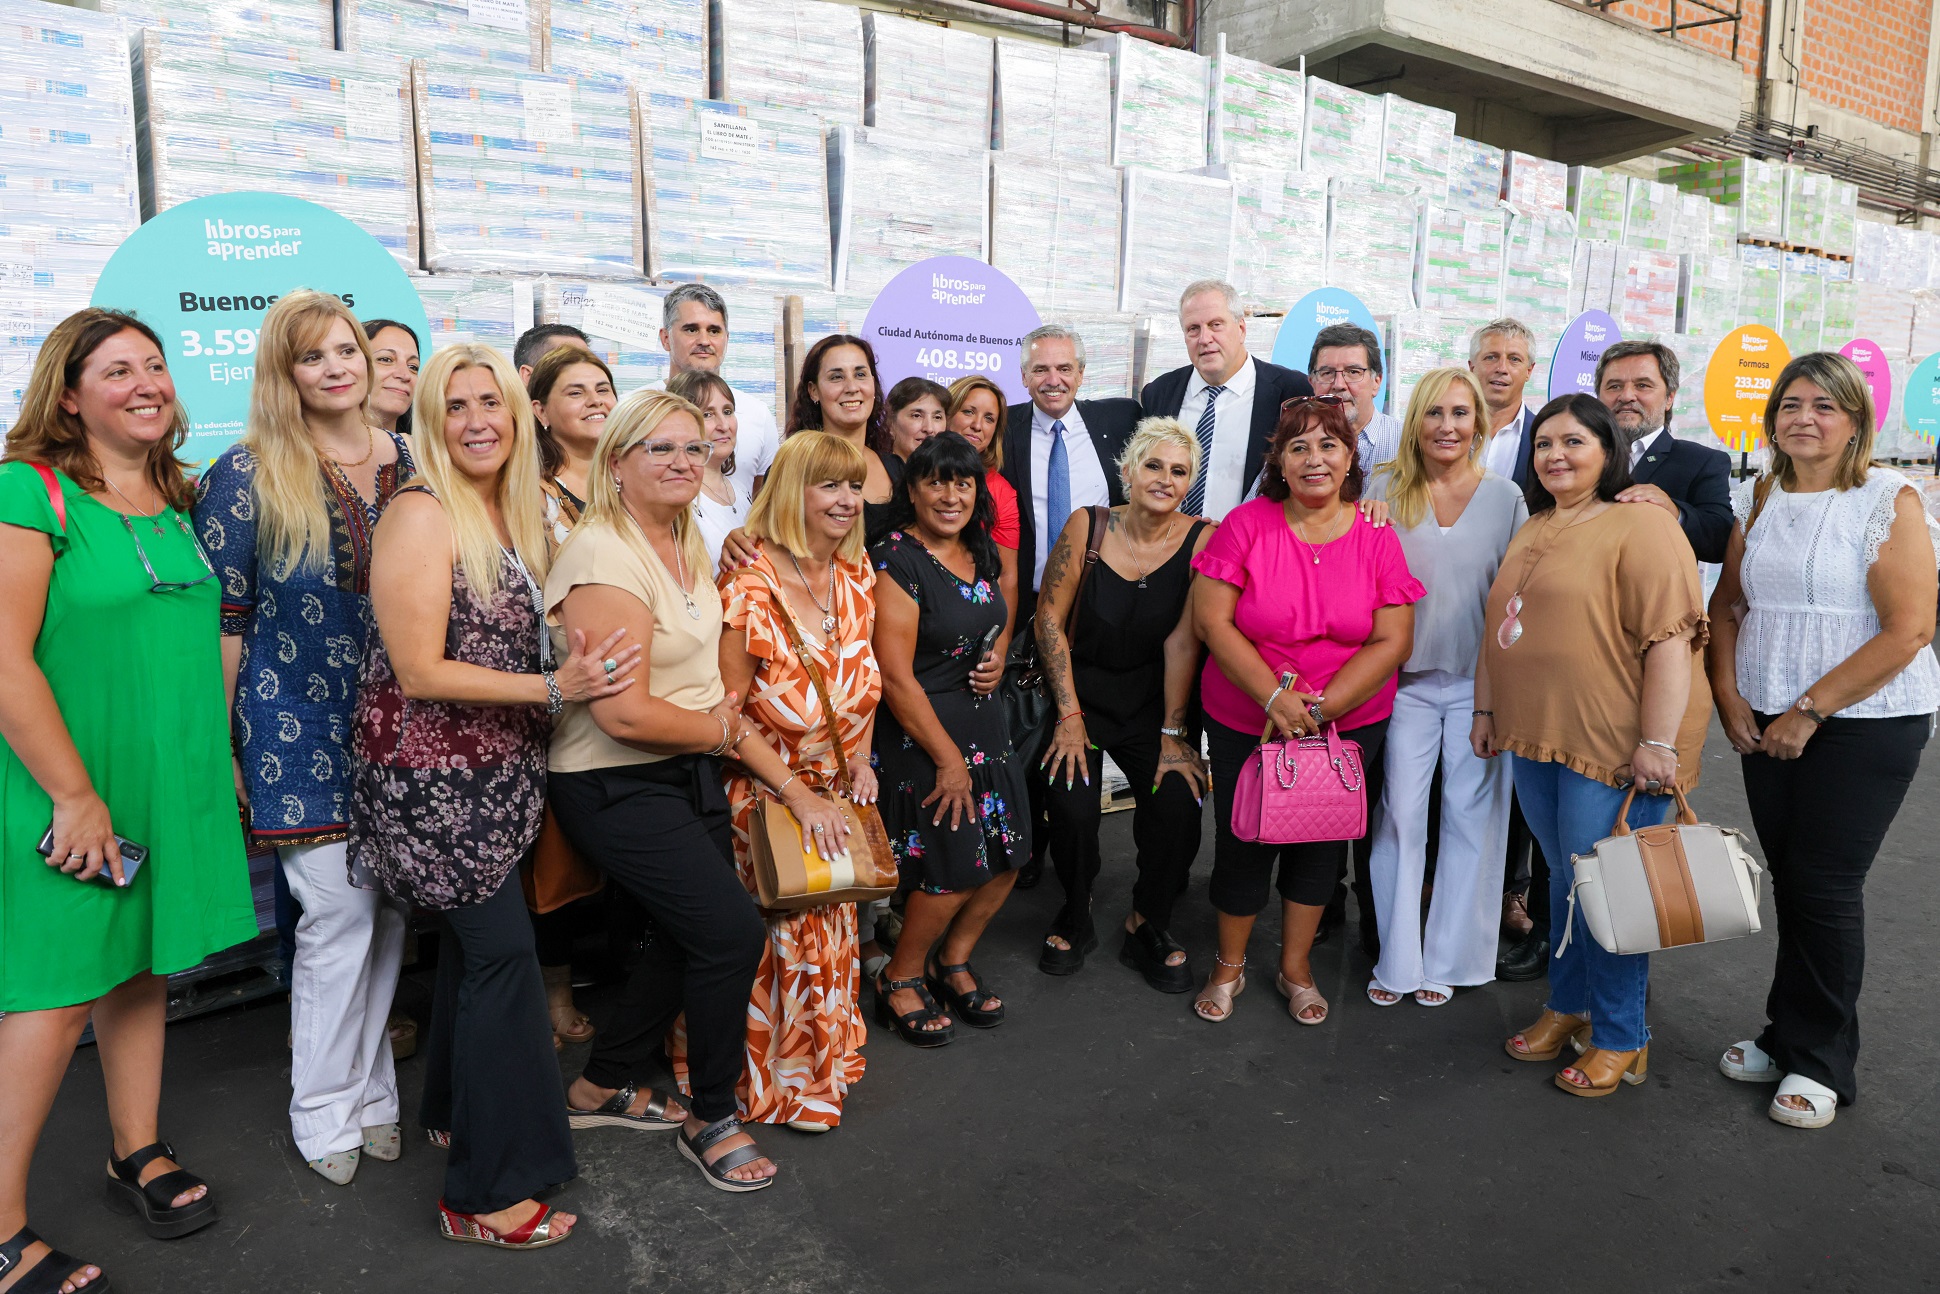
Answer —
1030 711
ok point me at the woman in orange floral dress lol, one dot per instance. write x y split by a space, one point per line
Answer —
805 1028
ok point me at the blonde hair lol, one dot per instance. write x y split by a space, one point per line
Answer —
1407 472
804 459
521 501
1841 379
1149 435
960 392
632 421
292 518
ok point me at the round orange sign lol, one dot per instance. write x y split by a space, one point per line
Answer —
1738 383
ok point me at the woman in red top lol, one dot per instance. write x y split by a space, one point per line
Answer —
1297 583
977 414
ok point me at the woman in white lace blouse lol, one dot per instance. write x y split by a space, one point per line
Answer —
1827 687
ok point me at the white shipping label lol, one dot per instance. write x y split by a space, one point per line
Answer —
1273 199
507 15
16 274
1475 237
622 314
729 139
548 111
373 110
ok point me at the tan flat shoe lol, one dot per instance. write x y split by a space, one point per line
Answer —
1605 1070
1544 1039
569 1024
1301 997
1220 996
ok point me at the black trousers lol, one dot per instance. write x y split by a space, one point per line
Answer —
1820 819
1165 830
490 1076
1242 869
662 832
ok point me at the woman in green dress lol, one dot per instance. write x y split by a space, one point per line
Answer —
114 728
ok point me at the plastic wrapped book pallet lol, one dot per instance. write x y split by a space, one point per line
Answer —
927 82
656 44
1057 229
1650 215
1841 217
1111 347
1890 254
1158 100
1257 112
1840 318
824 314
1371 241
1279 234
67 168
527 173
449 34
888 212
220 114
801 55
473 308
1885 314
1806 195
1461 263
1597 200
1164 348
1754 189
1535 183
1758 285
1593 277
1343 132
1649 286
1801 303
1418 341
1925 337
623 322
311 23
1262 331
1052 104
1178 228
735 195
1474 175
1536 279
1710 295
1417 144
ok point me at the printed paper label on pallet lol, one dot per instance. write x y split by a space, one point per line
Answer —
370 111
548 111
506 15
730 139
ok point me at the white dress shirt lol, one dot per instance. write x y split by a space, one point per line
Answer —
1088 486
1379 441
1504 447
1642 444
1224 469
756 436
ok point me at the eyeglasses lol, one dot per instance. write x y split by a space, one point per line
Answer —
663 451
1314 399
1353 373
156 583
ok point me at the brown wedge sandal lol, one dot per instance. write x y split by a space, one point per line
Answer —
1605 1070
1544 1039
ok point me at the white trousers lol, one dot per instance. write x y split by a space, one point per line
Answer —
349 944
1432 716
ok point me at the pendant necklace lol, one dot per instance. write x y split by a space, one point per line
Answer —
680 580
1509 632
828 610
1312 551
152 518
1142 572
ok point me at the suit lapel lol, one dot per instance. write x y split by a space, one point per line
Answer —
1652 462
1526 451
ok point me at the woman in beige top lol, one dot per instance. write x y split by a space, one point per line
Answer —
1590 676
635 782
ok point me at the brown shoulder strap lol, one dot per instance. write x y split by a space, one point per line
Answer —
1096 519
814 678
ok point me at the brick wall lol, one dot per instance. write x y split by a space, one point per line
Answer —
1716 39
1867 57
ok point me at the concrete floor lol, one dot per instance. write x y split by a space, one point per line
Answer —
1105 1139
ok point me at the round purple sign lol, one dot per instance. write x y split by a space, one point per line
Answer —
951 317
1878 373
1577 351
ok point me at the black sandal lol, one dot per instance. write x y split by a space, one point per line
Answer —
909 1026
154 1202
969 1007
1145 950
617 1112
716 1173
1066 961
50 1273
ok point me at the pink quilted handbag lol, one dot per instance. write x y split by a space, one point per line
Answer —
1295 792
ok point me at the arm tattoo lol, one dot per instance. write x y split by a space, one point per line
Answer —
1054 652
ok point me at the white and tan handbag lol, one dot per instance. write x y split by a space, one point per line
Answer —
1683 882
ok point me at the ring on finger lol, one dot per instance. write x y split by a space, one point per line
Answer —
609 665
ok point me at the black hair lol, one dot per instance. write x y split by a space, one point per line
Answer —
911 389
1594 416
534 342
374 326
1346 334
950 457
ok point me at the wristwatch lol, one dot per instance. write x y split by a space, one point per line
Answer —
1177 734
1804 706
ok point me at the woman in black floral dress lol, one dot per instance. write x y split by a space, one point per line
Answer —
953 796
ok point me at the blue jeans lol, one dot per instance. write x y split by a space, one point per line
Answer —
1568 813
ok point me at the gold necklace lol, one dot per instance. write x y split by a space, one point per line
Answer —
1313 551
370 447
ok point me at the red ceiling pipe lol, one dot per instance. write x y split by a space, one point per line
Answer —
1084 18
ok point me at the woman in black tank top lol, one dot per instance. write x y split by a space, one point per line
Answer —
1120 654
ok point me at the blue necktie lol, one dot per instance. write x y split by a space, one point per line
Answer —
1057 488
1196 496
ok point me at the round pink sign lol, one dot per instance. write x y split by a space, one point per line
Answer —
1879 375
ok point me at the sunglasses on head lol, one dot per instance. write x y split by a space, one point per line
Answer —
1312 399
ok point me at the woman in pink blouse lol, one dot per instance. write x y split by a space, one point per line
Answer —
1297 583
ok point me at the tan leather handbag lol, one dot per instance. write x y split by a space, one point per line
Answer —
1683 882
786 876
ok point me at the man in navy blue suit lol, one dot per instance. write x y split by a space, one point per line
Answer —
1502 355
1638 381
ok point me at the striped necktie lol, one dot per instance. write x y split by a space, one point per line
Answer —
1196 496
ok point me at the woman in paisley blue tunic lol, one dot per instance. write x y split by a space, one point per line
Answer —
286 516
953 795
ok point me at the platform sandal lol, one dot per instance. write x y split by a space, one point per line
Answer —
972 1008
616 1112
467 1229
1821 1101
1753 1065
1606 1070
1146 951
909 1026
50 1273
1544 1039
695 1149
153 1202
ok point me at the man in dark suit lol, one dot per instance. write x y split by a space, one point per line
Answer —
1502 356
1229 399
1638 381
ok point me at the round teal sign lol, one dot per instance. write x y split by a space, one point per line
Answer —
203 275
1920 410
1293 347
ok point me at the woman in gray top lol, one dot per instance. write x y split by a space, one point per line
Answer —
1455 520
